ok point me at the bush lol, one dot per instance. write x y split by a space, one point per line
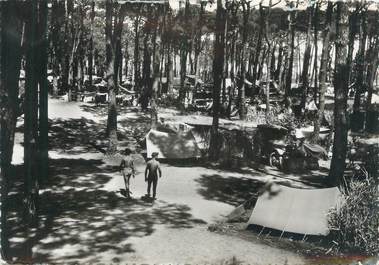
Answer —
354 224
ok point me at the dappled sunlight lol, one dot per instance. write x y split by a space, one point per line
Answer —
75 136
98 221
307 179
82 221
230 190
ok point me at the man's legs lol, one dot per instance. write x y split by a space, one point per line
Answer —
126 181
127 184
155 183
149 180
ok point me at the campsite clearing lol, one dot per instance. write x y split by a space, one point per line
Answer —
85 218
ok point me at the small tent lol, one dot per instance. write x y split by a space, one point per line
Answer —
301 211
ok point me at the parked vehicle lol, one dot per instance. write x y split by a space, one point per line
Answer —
296 154
286 150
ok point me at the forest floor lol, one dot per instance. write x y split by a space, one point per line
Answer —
84 218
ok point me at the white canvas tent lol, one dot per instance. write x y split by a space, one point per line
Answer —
172 145
302 211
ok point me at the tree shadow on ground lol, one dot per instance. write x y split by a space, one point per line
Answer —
76 136
138 121
96 109
73 136
136 127
81 221
308 178
230 190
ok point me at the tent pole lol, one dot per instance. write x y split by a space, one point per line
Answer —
304 237
281 234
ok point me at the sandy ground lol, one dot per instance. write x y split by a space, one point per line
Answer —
84 218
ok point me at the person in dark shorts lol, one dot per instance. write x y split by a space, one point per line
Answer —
151 174
127 169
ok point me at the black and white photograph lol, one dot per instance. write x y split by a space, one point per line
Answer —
218 132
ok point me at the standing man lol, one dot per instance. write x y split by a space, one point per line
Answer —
127 169
151 174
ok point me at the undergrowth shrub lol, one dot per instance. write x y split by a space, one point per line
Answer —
355 223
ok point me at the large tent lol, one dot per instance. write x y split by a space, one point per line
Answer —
301 211
168 145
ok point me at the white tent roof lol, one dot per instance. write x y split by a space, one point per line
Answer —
301 211
172 145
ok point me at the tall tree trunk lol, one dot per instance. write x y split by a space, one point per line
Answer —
32 73
291 47
353 28
126 61
283 72
225 70
90 52
136 64
146 68
218 68
161 68
272 62
155 79
259 43
169 69
306 59
120 66
175 63
117 35
360 61
110 78
57 19
341 78
183 68
43 141
315 66
246 14
72 45
183 57
269 60
232 72
279 62
10 58
190 57
261 63
323 69
371 71
372 67
198 42
250 61
66 52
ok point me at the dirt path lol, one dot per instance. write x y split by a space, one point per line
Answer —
84 218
